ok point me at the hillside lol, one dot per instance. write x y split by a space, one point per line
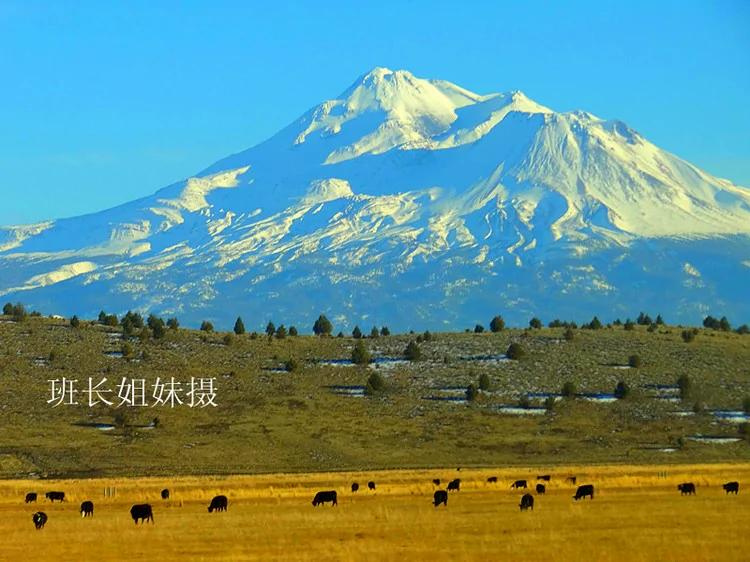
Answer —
316 419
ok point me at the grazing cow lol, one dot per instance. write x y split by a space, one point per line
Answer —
527 501
143 512
39 519
165 494
686 488
55 496
87 509
355 487
583 491
219 503
540 489
545 477
325 497
572 480
436 481
732 487
454 485
440 496
371 485
30 497
518 484
492 480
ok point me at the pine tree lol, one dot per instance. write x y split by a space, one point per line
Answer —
322 326
75 322
239 326
207 326
497 324
356 333
412 351
270 329
535 323
360 355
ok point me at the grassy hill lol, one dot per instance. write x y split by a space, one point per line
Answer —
270 420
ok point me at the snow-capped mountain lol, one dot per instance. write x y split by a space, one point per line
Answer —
413 203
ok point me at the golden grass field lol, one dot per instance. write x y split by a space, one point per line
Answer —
637 514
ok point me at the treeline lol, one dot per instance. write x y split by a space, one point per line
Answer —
133 324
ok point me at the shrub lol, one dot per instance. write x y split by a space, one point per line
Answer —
535 323
634 361
683 383
471 393
549 403
595 324
291 365
746 404
659 320
569 334
743 330
484 382
478 329
688 335
515 352
293 331
127 350
652 327
75 322
629 325
207 326
568 390
8 309
360 355
497 324
375 383
281 332
173 324
239 326
524 402
412 351
744 431
228 339
270 329
622 390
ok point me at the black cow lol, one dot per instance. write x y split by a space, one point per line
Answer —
87 509
143 512
325 497
436 481
545 477
39 519
30 497
527 502
583 491
165 494
55 496
371 485
355 487
454 485
686 488
540 489
492 480
732 487
219 503
440 496
572 480
518 484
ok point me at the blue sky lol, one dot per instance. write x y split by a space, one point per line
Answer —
102 103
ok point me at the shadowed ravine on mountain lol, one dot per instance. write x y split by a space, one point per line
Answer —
412 202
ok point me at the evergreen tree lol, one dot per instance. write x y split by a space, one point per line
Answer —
471 393
484 382
356 333
515 352
568 390
360 355
239 326
207 326
683 383
270 329
478 329
374 333
634 361
629 325
412 351
659 320
281 332
102 317
293 331
622 390
569 334
375 383
75 322
384 331
724 324
535 323
497 324
743 330
173 324
595 324
322 326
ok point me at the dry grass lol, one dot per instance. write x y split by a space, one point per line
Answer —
637 515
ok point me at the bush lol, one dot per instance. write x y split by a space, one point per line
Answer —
515 352
293 331
535 323
549 403
207 326
629 325
239 326
622 390
228 339
412 351
484 382
8 309
173 324
291 365
497 324
524 402
652 327
569 334
127 350
744 431
360 355
683 383
568 390
322 326
270 329
478 329
595 324
746 404
634 361
281 332
471 393
375 383
743 330
75 322
689 335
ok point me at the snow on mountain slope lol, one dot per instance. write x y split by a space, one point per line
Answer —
381 192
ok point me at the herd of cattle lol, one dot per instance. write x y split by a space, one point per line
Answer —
144 512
